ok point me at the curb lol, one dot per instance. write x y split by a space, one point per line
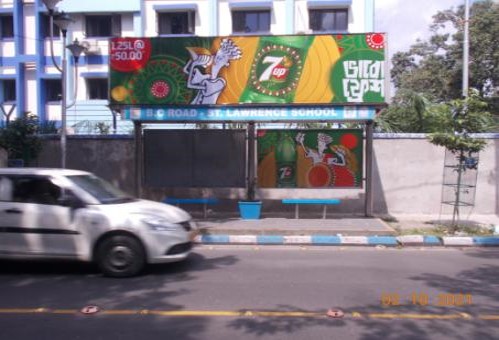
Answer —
331 240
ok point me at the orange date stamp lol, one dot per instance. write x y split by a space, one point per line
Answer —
392 299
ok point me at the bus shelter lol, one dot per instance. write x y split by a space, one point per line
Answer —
274 87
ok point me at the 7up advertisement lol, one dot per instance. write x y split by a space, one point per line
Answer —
302 70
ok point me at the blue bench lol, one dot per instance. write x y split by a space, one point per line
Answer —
204 201
324 201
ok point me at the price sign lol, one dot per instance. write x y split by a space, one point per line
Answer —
129 54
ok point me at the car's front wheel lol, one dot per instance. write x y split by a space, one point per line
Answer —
120 256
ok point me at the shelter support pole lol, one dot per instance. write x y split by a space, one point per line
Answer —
138 158
369 168
251 161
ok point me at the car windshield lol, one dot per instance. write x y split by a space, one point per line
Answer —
103 191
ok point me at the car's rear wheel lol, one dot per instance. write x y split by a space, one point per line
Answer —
120 256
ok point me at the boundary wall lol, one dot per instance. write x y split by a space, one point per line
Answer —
407 176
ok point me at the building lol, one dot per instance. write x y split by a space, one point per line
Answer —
29 81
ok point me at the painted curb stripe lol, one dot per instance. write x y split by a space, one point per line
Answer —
362 240
457 241
382 240
325 239
270 239
215 239
422 240
243 239
411 239
486 241
297 239
432 240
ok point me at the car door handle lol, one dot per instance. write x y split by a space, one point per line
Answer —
13 211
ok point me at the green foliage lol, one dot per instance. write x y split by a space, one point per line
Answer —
456 143
462 117
412 112
20 138
47 127
434 68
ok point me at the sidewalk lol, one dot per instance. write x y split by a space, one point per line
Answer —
342 230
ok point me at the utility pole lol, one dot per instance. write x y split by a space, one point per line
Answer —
466 43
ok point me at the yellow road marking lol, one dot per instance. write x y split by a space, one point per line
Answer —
19 310
252 313
489 317
417 316
64 311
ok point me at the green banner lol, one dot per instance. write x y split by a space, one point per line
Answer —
310 158
305 69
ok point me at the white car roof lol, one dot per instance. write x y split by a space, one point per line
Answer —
42 171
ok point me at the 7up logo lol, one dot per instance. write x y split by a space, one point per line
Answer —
274 70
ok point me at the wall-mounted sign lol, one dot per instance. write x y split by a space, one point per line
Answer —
310 158
261 114
305 69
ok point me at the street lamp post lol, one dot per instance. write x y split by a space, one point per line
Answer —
466 42
63 21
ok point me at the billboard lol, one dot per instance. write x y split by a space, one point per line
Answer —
300 69
310 158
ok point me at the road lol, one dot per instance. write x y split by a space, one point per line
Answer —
246 292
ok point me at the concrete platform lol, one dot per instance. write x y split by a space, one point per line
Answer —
353 226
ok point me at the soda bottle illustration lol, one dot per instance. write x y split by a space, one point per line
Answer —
286 162
276 70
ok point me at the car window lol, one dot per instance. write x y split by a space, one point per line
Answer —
35 189
6 189
103 191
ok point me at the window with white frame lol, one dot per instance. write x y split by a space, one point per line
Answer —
45 21
328 20
9 90
251 21
103 25
53 90
97 88
6 26
182 22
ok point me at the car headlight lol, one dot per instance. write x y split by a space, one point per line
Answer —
160 224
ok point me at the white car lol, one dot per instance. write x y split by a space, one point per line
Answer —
71 214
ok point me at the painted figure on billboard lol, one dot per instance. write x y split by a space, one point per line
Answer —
209 85
310 159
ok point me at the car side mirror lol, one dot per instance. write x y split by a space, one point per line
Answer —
72 202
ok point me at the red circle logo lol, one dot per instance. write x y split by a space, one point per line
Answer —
160 89
376 41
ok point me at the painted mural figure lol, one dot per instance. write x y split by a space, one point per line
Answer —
320 155
207 81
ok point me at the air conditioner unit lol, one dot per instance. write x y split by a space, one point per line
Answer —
91 47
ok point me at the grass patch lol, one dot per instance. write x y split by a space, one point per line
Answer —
444 230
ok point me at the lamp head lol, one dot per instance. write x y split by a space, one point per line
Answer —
50 4
76 49
62 20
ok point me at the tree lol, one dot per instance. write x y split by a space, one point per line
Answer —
411 112
20 138
433 68
463 117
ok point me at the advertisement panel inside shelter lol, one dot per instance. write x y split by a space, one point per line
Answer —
310 158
